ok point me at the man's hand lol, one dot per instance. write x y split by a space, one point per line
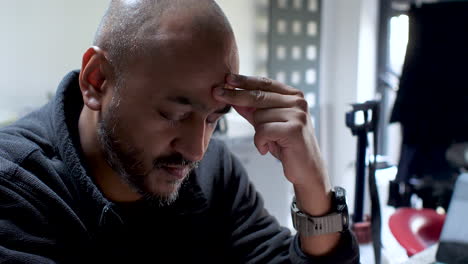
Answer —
280 116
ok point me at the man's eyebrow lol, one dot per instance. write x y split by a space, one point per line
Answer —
186 101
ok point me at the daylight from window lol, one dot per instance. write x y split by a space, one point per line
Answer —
398 42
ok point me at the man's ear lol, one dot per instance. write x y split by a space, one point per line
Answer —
93 77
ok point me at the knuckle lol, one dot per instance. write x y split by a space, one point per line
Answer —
265 82
296 128
302 116
302 104
257 96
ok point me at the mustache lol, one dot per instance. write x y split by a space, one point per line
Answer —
175 159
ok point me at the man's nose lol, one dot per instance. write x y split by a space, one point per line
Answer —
192 141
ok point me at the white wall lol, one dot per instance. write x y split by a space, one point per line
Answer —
40 42
241 14
348 76
368 37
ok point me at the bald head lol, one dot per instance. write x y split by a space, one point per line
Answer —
130 28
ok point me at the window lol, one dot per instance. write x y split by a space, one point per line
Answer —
398 40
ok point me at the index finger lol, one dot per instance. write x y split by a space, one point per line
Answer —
260 83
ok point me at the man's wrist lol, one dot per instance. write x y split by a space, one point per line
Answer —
336 220
313 201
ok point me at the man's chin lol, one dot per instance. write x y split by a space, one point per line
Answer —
159 185
165 193
169 190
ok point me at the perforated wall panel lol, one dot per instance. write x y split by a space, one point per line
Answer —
294 47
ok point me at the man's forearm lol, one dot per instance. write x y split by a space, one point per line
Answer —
316 200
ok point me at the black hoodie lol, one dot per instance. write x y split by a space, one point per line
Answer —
51 211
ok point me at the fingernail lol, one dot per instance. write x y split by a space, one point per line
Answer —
219 91
232 78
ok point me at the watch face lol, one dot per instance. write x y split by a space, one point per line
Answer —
339 198
340 192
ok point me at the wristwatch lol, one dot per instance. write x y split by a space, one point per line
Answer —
336 221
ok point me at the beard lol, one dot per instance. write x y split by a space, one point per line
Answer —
128 162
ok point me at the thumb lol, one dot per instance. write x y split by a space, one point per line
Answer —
246 112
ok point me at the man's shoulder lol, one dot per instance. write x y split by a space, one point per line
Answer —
219 163
15 147
28 172
24 145
217 154
17 142
216 147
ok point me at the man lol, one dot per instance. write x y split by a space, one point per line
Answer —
119 167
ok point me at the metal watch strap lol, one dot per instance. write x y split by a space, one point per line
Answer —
312 226
337 221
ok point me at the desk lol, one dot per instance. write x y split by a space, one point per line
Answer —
424 257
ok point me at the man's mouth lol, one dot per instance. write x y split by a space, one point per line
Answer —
178 172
